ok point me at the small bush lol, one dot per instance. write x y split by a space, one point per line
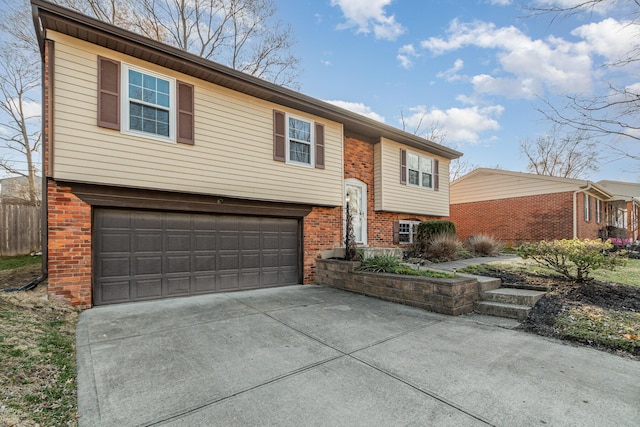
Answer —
380 264
484 245
427 230
443 247
574 259
391 264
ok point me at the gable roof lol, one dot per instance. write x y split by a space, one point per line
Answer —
48 16
622 190
490 184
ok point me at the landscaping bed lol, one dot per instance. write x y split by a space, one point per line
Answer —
597 313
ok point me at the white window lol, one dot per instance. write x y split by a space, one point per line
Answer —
147 104
599 211
408 231
300 141
587 203
419 170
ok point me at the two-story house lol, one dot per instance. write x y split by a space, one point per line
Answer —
168 175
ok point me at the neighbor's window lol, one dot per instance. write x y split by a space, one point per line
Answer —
147 103
419 170
587 202
408 231
599 204
299 141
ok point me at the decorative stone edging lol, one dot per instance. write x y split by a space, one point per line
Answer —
447 296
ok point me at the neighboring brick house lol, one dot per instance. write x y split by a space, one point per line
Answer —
624 207
517 207
171 175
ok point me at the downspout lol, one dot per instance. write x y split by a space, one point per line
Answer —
575 208
43 206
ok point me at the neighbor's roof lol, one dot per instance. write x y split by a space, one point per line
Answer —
49 16
622 190
515 179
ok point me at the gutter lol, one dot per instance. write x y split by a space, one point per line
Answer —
575 208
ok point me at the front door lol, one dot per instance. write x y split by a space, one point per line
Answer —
356 200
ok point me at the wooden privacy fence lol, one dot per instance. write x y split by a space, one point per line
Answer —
20 226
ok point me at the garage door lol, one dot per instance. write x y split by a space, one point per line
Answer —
142 255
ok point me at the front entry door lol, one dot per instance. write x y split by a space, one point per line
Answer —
356 199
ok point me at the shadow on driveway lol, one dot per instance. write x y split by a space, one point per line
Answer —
315 356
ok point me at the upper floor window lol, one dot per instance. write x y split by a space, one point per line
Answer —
148 107
299 141
419 170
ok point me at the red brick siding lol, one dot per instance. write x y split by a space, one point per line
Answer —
322 230
524 219
69 246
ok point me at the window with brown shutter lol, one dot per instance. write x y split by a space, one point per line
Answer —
185 119
108 93
396 232
436 175
319 146
279 141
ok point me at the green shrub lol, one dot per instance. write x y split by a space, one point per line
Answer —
427 230
443 247
380 264
392 264
574 258
483 245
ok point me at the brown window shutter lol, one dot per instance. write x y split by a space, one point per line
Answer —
279 142
396 232
108 93
403 166
185 122
436 175
319 146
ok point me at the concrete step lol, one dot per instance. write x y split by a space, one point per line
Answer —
484 283
512 296
500 309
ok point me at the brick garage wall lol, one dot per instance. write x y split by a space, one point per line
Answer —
519 219
69 246
322 230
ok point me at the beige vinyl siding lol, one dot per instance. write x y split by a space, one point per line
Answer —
232 155
392 196
492 185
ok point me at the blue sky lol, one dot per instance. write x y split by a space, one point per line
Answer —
477 68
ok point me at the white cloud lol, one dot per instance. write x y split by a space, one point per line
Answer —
451 74
368 16
531 65
501 2
31 109
357 107
461 125
405 55
609 38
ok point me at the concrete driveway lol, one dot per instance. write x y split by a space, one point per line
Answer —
314 356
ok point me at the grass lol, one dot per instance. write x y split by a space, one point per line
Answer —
600 327
11 263
37 360
624 275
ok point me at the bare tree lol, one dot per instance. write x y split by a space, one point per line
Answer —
433 132
19 97
242 34
564 155
613 116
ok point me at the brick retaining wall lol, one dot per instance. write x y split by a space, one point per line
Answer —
447 296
